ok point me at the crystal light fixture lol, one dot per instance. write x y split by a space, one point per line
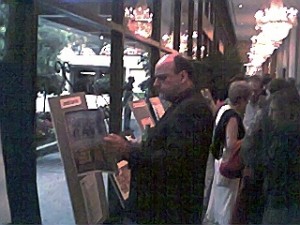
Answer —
276 20
274 24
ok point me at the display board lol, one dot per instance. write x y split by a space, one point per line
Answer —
86 129
158 107
122 179
142 114
79 133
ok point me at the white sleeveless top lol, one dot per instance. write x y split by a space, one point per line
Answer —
223 191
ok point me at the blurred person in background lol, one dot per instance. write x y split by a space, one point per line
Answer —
282 159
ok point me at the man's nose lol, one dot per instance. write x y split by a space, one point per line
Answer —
156 83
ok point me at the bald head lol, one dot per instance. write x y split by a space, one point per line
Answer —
166 59
173 75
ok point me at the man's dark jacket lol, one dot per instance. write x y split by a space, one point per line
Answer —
168 173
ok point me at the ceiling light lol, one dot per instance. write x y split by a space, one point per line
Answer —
240 6
276 21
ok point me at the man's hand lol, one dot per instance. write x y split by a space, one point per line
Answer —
206 94
209 100
116 144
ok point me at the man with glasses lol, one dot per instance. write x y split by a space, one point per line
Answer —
168 168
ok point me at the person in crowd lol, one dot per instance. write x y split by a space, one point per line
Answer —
256 100
280 84
250 204
228 133
282 159
214 106
128 97
266 79
209 100
276 85
168 170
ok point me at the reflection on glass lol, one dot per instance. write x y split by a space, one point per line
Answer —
136 61
139 19
184 27
167 23
195 30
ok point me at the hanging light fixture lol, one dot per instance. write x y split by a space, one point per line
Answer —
274 24
276 21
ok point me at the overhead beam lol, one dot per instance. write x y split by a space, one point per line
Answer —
177 24
199 29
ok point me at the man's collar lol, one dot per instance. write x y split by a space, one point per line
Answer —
183 95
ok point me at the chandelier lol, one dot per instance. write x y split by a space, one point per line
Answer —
139 19
274 24
276 20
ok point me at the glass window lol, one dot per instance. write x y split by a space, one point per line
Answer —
184 27
62 48
3 27
138 17
195 30
167 23
206 5
137 65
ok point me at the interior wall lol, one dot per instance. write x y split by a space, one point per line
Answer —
297 60
292 54
243 48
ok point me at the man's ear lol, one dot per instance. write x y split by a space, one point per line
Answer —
184 76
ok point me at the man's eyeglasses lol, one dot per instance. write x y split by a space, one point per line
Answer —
161 77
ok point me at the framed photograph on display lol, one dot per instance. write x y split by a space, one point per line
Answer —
86 129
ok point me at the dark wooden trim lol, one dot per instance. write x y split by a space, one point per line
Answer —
177 24
116 94
190 28
221 9
17 112
117 71
156 34
199 29
156 22
215 44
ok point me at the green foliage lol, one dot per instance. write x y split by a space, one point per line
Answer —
215 72
50 42
50 84
52 38
102 85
